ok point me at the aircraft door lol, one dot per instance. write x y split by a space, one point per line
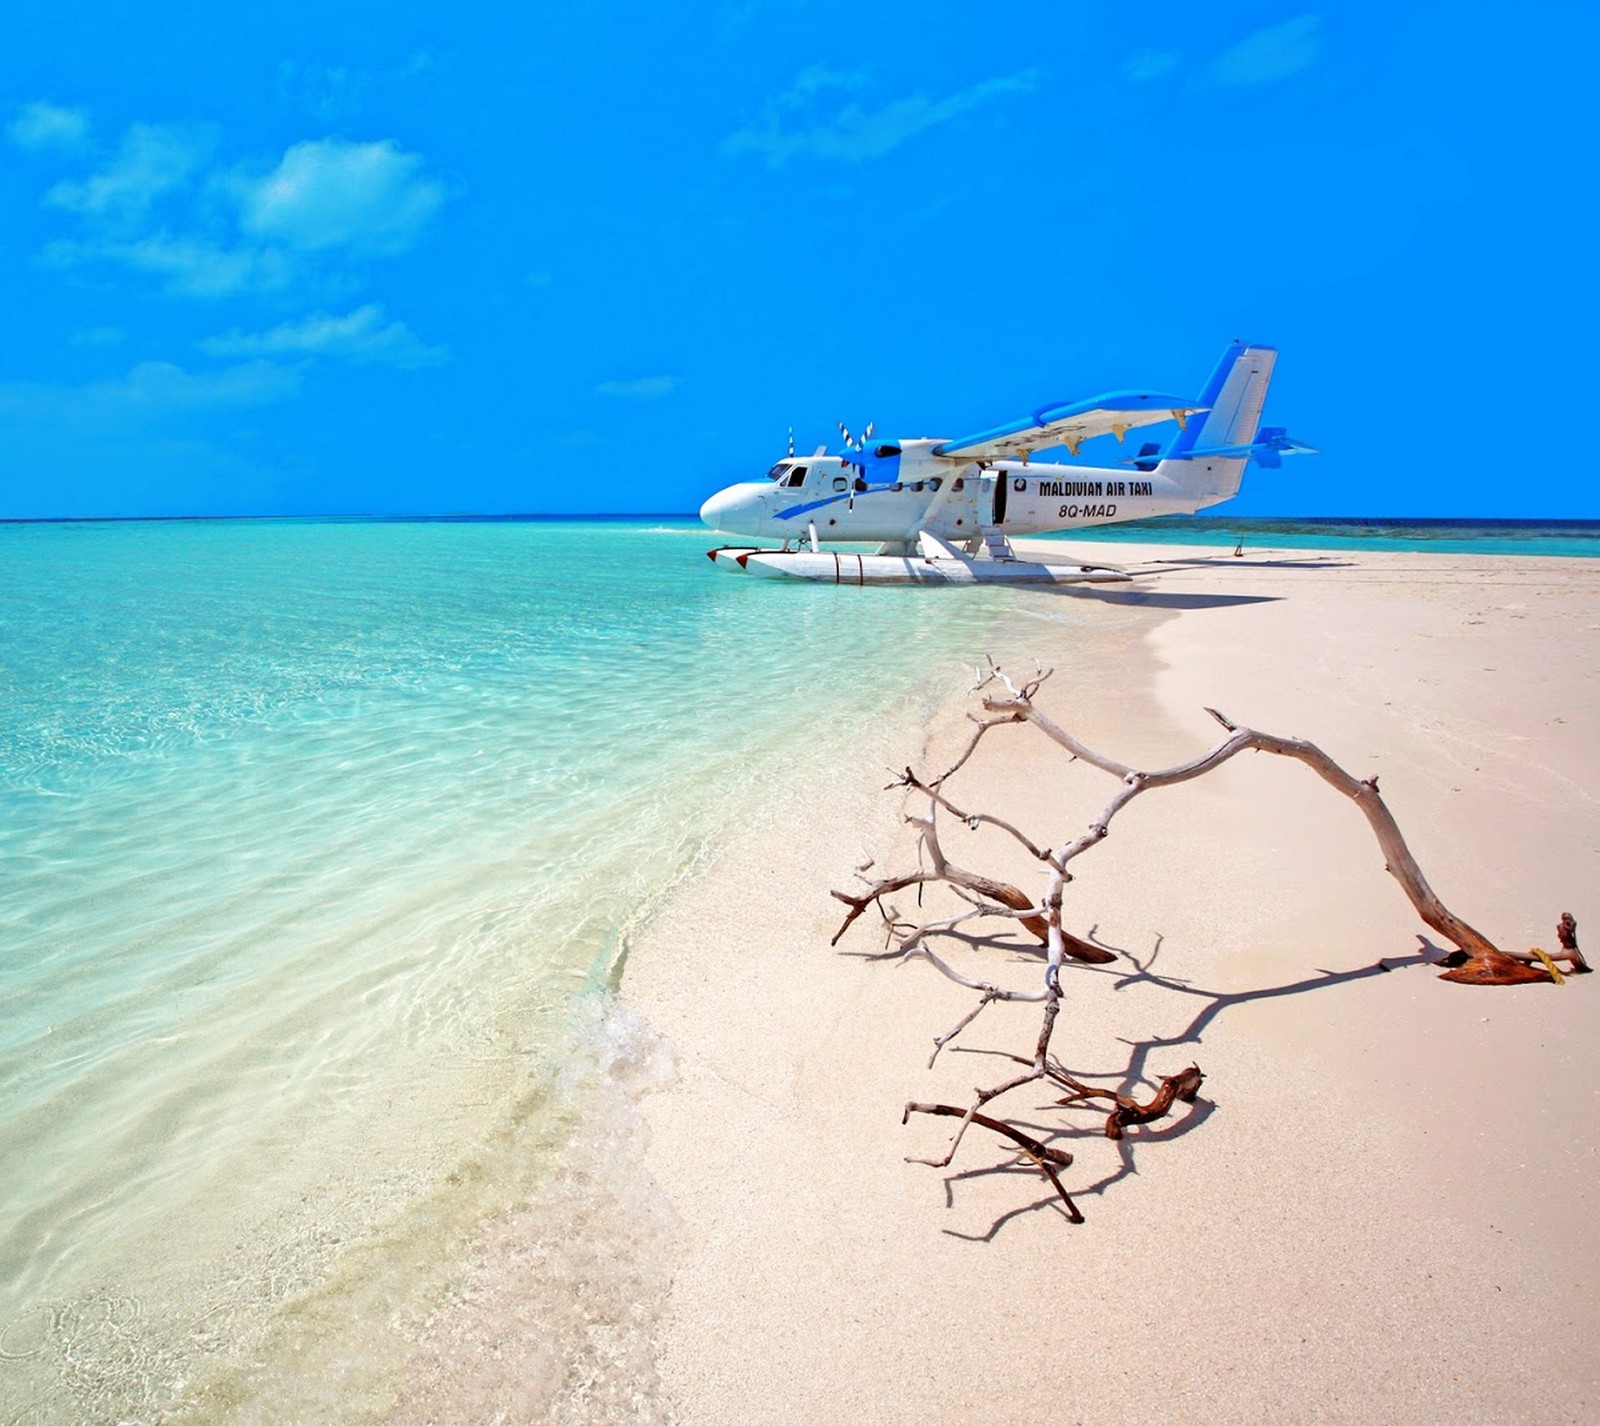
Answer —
1000 486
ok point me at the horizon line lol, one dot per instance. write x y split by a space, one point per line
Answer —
470 517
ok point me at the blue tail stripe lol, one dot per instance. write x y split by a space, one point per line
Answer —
1208 398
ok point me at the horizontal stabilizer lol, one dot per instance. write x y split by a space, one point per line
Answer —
1274 443
1267 451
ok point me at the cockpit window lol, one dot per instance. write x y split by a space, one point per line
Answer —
777 471
797 478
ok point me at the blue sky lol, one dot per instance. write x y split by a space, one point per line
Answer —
300 259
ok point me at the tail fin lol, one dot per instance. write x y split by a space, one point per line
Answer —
1209 456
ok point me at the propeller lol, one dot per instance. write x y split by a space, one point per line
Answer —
791 442
857 444
854 457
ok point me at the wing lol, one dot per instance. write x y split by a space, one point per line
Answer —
1070 424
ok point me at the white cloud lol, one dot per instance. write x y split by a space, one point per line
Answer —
856 131
369 199
362 335
195 267
154 160
644 388
44 126
818 77
1150 64
190 266
165 386
152 390
159 206
1271 54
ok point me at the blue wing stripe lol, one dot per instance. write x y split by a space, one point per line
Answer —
1065 410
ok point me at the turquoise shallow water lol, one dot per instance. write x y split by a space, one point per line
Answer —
316 840
1579 538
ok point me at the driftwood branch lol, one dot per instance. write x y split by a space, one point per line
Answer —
1183 1086
1047 1160
1476 960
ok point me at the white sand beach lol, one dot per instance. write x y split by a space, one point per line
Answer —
1381 1207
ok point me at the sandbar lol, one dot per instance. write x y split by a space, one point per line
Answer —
1382 1206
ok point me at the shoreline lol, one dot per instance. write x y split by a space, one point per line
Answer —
1329 1190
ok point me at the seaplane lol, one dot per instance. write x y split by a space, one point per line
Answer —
944 511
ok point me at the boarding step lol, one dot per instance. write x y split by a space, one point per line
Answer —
995 545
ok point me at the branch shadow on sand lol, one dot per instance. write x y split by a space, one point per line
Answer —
1133 1076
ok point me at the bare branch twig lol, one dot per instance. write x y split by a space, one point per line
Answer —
1478 961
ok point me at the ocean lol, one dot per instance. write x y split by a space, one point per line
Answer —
1579 538
321 848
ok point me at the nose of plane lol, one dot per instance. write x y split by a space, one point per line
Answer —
716 508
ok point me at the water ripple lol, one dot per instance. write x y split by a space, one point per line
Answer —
311 838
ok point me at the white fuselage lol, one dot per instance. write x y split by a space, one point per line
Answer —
957 500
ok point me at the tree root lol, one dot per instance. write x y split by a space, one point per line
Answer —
1494 967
